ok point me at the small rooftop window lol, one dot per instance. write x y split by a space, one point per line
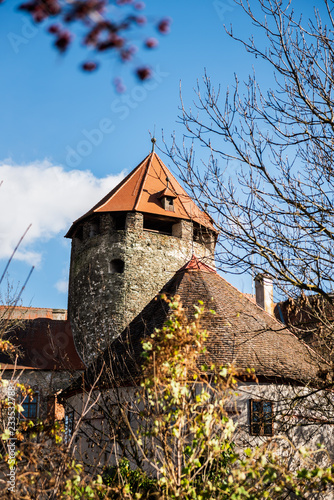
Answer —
167 197
168 203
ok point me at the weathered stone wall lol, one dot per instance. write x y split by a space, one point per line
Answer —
103 301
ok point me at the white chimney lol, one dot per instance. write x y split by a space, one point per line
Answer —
264 292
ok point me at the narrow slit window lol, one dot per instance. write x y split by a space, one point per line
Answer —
68 426
94 229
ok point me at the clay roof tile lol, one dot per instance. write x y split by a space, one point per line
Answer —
240 332
42 344
141 191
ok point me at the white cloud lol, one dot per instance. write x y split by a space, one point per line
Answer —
47 197
62 285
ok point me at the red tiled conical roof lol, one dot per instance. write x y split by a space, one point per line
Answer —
141 191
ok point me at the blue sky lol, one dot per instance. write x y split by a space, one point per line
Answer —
49 107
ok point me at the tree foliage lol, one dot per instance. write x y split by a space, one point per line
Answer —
111 26
180 440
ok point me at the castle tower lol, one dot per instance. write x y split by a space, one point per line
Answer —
127 247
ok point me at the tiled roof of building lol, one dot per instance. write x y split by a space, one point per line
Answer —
240 332
42 344
197 264
142 190
21 312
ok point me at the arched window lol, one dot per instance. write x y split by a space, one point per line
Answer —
116 266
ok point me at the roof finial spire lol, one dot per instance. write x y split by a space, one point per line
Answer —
153 140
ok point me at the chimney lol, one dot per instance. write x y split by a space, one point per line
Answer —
264 292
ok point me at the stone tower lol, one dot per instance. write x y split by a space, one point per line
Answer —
127 247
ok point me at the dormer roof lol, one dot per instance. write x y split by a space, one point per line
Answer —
141 191
168 193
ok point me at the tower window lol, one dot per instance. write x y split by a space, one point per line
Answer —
202 235
119 221
116 266
94 228
79 233
158 225
261 417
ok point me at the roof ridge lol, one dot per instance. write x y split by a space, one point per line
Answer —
200 265
182 190
271 317
119 185
140 190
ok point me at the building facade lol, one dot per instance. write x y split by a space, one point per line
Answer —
126 248
144 238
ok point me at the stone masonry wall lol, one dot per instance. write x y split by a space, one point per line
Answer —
101 301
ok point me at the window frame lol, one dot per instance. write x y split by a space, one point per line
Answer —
68 425
25 401
168 203
263 421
